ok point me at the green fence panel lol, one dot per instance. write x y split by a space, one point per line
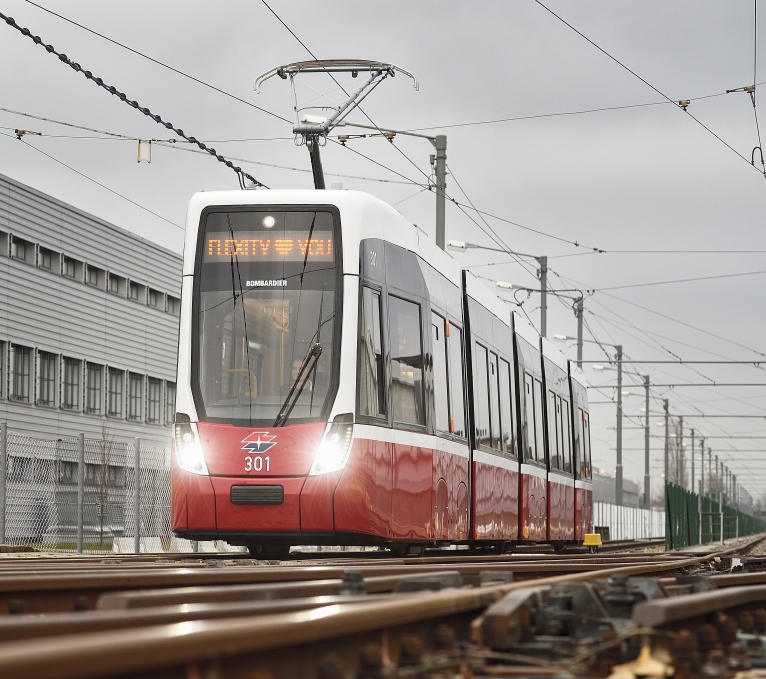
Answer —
690 519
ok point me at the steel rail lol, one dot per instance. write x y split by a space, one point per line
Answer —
36 592
157 648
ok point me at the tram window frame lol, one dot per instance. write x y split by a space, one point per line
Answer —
382 390
553 432
507 407
456 351
482 398
440 367
585 437
420 425
494 401
566 436
539 418
528 424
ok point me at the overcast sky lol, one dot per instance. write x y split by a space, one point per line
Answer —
640 178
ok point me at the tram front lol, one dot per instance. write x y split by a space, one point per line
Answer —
259 358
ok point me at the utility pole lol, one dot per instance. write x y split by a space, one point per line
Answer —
647 480
692 486
702 467
618 474
680 470
720 494
665 405
710 489
440 167
543 262
578 313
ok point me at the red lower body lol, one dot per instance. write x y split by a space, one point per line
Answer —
583 510
394 487
561 509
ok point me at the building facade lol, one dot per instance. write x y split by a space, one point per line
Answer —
88 324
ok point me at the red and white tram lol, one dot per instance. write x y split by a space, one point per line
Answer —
342 381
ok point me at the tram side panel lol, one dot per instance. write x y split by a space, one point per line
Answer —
533 517
580 421
561 489
495 468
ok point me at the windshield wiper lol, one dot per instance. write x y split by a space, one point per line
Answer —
300 381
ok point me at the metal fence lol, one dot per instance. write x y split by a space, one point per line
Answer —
618 522
86 495
694 520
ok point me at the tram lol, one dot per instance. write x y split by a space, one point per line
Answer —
341 381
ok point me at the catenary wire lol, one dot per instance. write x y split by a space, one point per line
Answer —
646 82
241 174
303 44
90 179
564 113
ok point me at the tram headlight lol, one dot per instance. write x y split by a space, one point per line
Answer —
334 450
189 450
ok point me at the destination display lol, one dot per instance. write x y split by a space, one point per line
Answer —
293 246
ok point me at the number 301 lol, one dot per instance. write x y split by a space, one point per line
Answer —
255 464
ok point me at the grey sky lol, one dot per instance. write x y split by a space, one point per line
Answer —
639 178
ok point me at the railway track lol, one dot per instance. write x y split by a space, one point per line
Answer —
340 615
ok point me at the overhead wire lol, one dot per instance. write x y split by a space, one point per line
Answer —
90 179
563 113
241 174
643 80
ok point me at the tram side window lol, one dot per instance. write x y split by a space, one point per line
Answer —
441 394
508 443
529 420
585 447
539 421
372 391
457 397
493 402
406 361
554 447
483 432
566 436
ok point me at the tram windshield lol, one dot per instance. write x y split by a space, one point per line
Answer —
265 316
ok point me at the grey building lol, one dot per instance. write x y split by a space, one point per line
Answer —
88 324
604 487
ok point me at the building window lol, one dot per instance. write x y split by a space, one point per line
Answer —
174 305
47 377
93 385
95 276
170 403
134 290
135 392
115 393
155 298
116 284
19 249
154 401
22 357
70 270
71 396
46 259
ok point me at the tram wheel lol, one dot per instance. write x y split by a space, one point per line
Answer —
259 551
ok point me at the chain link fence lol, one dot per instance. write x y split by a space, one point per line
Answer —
83 495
